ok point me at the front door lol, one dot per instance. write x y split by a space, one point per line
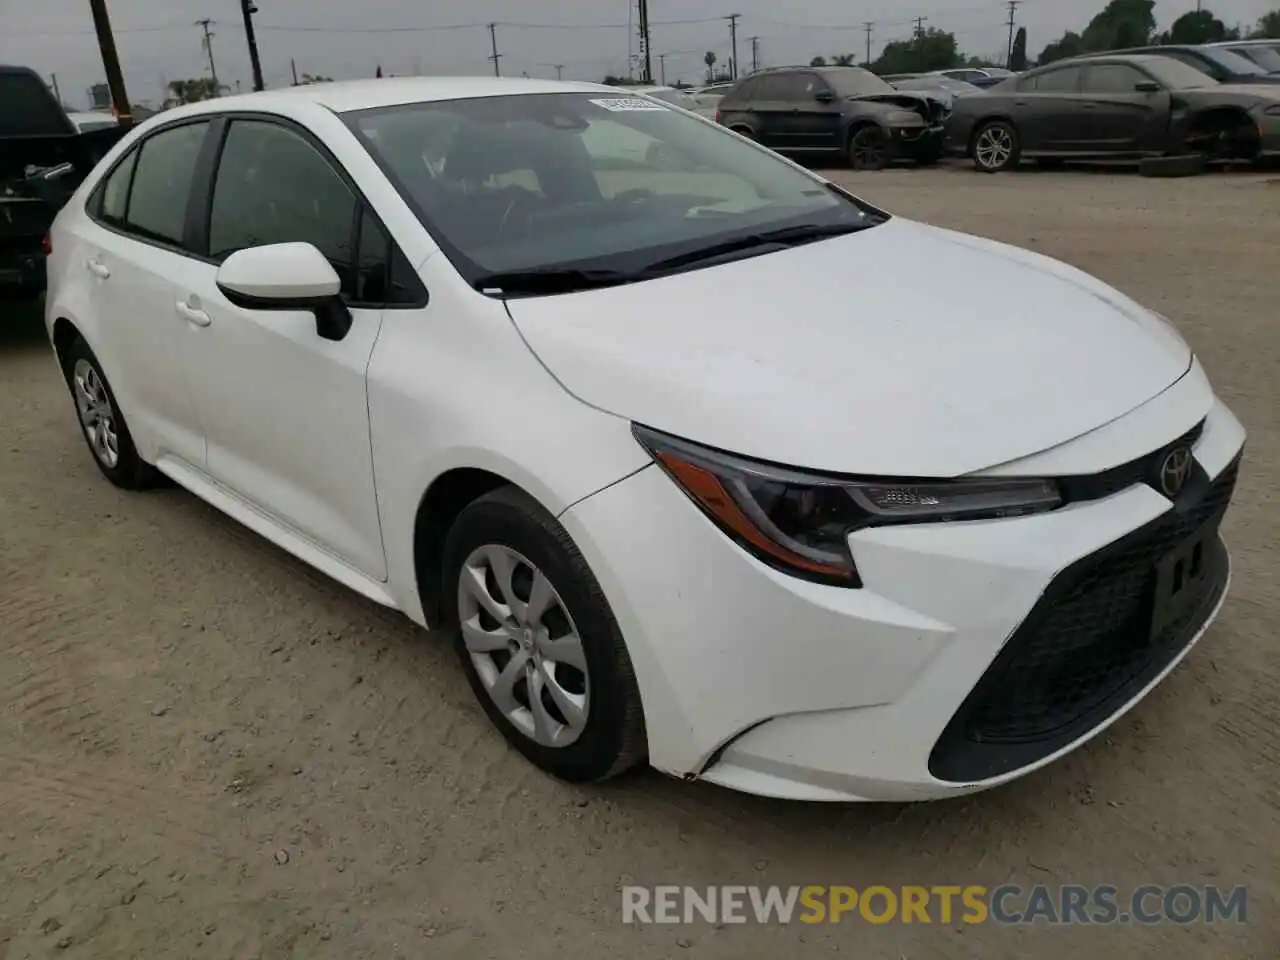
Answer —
285 411
816 113
1051 113
1125 119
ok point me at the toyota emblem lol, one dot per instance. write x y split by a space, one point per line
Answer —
1174 471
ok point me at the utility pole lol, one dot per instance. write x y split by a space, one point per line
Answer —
559 69
755 54
204 25
920 26
56 92
662 69
493 41
248 8
866 26
646 59
293 66
111 62
1013 8
733 40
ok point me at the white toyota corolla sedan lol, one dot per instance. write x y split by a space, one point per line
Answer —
712 463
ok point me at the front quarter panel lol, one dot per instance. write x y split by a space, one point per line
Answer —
454 386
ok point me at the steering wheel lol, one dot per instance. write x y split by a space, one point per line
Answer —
517 197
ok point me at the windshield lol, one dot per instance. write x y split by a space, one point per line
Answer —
587 181
1267 57
855 82
1229 60
1177 75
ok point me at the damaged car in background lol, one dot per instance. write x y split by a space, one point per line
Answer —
1116 107
845 110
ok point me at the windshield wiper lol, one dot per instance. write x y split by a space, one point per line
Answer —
548 280
782 237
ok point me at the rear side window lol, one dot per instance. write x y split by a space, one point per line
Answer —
1111 78
747 90
115 190
272 186
776 86
166 165
1066 80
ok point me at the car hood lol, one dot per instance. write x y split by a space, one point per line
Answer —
1253 91
903 350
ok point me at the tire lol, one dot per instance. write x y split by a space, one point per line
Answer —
869 148
995 146
506 536
102 424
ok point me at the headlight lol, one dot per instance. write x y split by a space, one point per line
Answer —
905 118
1274 110
799 522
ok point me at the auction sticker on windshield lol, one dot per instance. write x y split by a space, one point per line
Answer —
623 104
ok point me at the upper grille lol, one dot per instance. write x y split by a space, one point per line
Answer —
1142 470
1087 646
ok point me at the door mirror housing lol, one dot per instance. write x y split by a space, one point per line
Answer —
1147 86
287 276
825 96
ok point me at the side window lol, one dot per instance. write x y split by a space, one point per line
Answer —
1066 80
383 275
166 165
272 186
772 87
747 90
812 85
794 87
1111 78
115 190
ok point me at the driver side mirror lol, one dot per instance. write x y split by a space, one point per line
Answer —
1147 86
825 96
287 276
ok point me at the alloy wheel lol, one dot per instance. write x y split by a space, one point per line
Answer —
994 147
524 645
870 149
97 416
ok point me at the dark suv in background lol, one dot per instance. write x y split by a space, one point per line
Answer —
846 110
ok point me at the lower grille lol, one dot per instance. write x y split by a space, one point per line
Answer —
1088 645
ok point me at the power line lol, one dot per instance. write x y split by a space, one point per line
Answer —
493 40
204 25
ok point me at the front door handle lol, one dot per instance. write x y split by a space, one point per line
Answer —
1019 103
97 268
193 316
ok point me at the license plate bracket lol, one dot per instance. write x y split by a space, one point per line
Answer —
1181 575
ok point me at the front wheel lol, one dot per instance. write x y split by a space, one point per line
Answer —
996 147
538 642
869 149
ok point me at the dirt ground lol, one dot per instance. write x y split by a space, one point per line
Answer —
208 750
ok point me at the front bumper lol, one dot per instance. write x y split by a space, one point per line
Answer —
909 141
1268 134
772 685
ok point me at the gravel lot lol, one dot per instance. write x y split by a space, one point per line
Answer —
208 750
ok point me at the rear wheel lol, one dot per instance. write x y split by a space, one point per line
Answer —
102 423
869 148
538 642
996 146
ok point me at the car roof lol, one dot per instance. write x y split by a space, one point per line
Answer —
346 95
1105 57
1259 42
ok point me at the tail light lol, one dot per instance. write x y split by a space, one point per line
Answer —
718 114
46 243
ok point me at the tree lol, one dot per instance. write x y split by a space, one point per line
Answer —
709 58
1120 24
193 91
844 60
818 62
931 49
1070 44
1268 27
379 71
1198 26
1018 58
313 78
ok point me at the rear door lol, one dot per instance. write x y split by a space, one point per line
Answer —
1124 119
815 123
770 102
135 257
1051 113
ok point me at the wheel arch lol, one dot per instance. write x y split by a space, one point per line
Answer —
63 334
1225 119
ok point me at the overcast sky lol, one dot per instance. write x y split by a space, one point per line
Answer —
159 41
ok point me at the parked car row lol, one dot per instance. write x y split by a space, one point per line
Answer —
1215 102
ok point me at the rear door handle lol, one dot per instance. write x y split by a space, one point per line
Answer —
98 269
193 316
